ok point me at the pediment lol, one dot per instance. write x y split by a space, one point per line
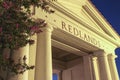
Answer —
87 12
90 21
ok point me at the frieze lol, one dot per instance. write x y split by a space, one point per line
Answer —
74 30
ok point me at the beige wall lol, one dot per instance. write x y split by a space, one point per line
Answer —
74 73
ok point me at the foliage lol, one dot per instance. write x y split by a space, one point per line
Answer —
18 68
16 26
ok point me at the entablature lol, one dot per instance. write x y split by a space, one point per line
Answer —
74 26
101 27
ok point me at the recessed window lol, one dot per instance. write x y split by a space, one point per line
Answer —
55 76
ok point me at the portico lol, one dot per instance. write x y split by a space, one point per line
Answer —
75 47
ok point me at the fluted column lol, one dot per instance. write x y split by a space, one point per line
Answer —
114 73
43 67
95 68
103 65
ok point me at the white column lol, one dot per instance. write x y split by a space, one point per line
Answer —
43 67
95 68
113 68
20 53
103 65
32 57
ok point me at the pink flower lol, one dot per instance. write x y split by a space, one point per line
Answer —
7 5
0 29
17 25
10 38
8 16
6 56
35 29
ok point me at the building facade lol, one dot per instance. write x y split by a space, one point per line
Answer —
77 44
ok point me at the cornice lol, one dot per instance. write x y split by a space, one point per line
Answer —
79 20
98 14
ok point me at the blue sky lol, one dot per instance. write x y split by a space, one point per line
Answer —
110 9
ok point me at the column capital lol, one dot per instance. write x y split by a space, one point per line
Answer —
94 58
103 65
100 53
48 28
112 56
43 66
113 68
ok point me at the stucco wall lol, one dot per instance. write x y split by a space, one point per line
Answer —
74 73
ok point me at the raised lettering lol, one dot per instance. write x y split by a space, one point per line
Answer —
64 26
81 34
75 31
70 28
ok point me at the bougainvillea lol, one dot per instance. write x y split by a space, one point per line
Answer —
16 26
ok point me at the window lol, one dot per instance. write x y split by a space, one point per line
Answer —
55 76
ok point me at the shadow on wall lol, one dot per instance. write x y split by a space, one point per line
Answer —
117 51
